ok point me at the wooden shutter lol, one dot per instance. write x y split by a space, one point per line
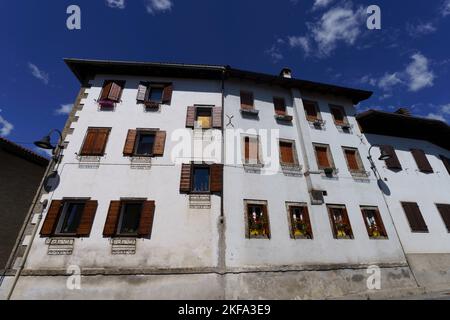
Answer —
338 115
422 162
51 219
146 221
251 149
100 141
87 219
280 106
351 159
185 180
216 178
347 222
286 152
104 95
160 141
446 162
129 143
167 94
266 220
444 210
89 140
311 110
378 220
247 100
111 219
322 157
393 162
217 117
142 90
190 117
115 92
414 217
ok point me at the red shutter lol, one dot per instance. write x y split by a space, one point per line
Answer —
88 144
100 141
247 102
160 140
422 162
393 162
287 152
185 180
414 217
190 117
216 178
217 117
351 159
51 219
112 218
167 94
322 157
146 221
115 92
129 143
104 95
266 221
280 106
87 219
444 210
446 162
251 150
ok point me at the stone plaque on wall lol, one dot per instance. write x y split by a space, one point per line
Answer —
123 246
60 246
199 201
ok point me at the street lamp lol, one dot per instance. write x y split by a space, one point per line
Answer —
383 156
45 143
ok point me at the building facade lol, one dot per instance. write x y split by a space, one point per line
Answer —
196 181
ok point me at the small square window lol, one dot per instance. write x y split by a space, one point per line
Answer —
338 115
257 221
70 218
280 106
155 94
203 118
299 222
247 102
200 181
311 110
340 222
374 223
130 217
144 143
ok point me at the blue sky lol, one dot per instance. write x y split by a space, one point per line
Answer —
406 63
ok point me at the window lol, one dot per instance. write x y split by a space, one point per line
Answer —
300 225
353 159
95 142
257 220
111 92
200 181
154 94
338 115
444 210
70 218
323 156
374 223
247 102
287 153
130 216
340 223
446 162
144 143
311 110
392 163
251 150
280 106
414 217
421 160
203 118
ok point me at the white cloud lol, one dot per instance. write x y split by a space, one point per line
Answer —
435 116
419 74
275 53
44 152
302 42
318 4
446 8
154 6
117 4
339 24
389 80
64 109
421 29
37 73
5 127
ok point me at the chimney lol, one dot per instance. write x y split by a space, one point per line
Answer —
404 112
286 73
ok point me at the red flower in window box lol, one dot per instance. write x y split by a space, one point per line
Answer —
108 104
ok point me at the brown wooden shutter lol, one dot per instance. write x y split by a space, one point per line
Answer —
338 115
89 140
115 92
167 94
247 102
216 178
414 217
446 162
286 152
444 210
251 149
266 220
129 143
190 117
322 157
100 141
311 110
160 141
185 180
87 219
51 219
393 162
422 162
142 90
111 219
280 106
104 95
351 159
146 221
217 117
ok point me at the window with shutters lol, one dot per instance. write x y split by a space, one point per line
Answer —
422 161
111 93
95 142
257 219
415 218
280 106
374 223
339 116
153 94
299 222
392 163
144 143
446 162
247 101
69 217
288 154
324 159
354 162
203 118
130 216
251 150
444 210
340 222
200 179
311 111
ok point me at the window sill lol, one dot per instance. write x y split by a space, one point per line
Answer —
317 123
360 174
291 169
283 118
252 112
